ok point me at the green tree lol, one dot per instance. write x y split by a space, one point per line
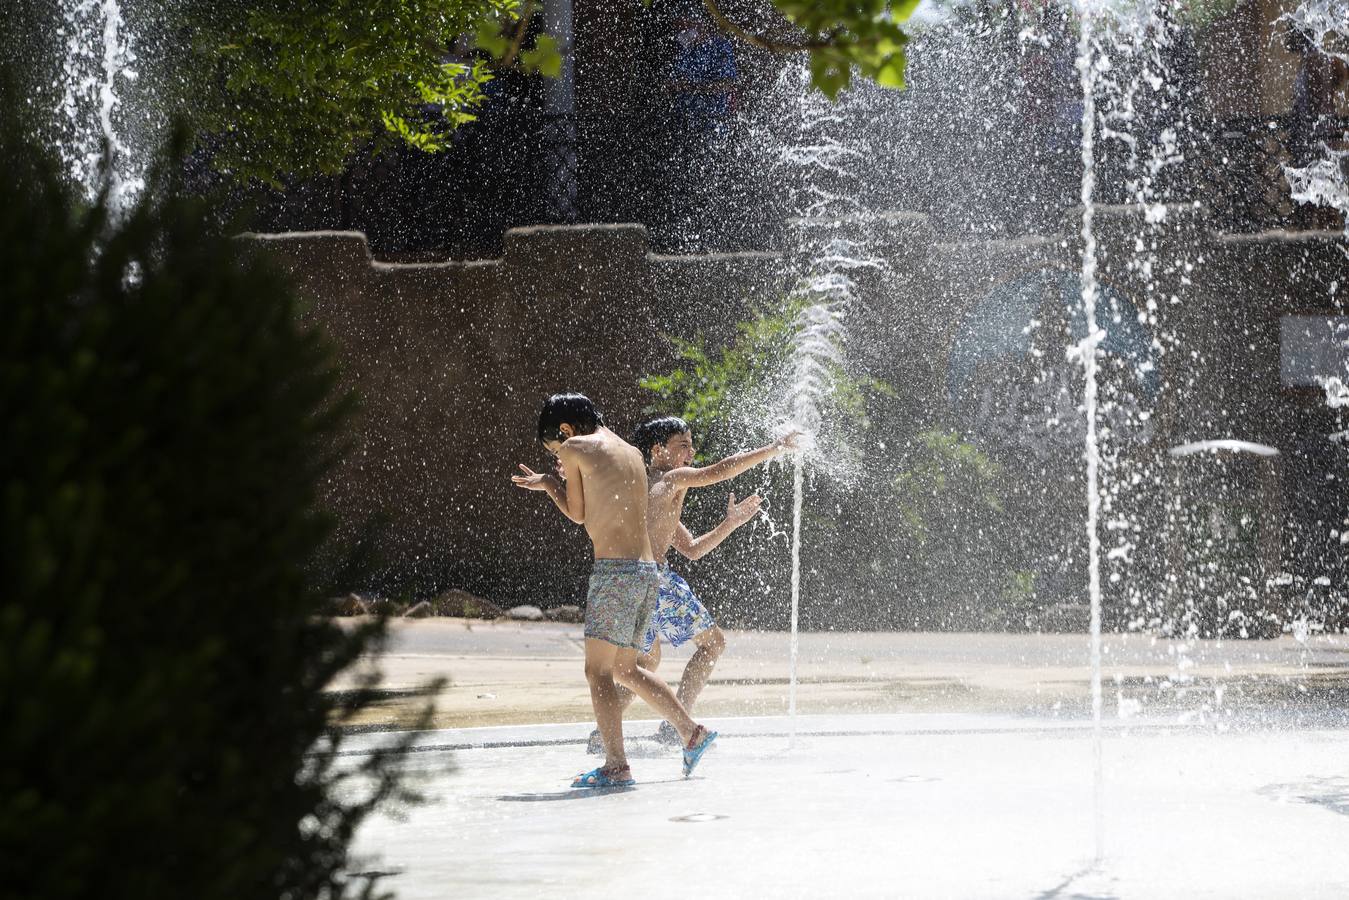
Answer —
839 36
953 522
286 88
915 542
727 393
299 88
164 726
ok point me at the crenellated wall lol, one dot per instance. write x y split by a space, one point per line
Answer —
452 359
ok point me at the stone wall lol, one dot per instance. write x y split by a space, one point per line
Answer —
452 359
451 362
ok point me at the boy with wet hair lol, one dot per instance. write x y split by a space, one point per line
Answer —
603 486
667 445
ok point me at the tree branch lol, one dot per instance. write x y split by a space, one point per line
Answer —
508 61
764 43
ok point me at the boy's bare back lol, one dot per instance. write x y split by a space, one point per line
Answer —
611 476
665 507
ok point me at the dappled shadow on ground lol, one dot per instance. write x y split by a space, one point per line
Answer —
1327 793
583 793
1082 885
569 794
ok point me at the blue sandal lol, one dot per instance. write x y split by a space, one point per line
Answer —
694 754
598 778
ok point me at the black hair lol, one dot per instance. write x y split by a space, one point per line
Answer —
657 431
575 410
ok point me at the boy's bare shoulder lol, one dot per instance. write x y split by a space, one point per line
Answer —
659 484
665 488
581 445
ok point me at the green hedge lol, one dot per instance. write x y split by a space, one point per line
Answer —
166 423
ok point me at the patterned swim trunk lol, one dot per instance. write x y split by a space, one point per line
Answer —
621 599
680 615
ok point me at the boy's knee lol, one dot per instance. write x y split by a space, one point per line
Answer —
625 670
715 643
597 671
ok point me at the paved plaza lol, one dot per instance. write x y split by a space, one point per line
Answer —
510 673
955 766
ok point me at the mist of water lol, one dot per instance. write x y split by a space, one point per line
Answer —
1323 181
1086 350
99 62
824 163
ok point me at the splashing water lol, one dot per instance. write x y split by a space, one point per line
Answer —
1086 350
1323 181
822 162
1123 63
1323 21
817 355
98 60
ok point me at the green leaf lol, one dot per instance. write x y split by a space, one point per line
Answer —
902 10
544 57
489 39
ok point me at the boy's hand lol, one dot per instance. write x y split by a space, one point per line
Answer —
742 512
533 481
789 441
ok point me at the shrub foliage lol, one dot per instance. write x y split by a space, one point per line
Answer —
163 726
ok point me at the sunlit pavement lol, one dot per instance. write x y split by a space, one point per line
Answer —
934 765
529 673
914 805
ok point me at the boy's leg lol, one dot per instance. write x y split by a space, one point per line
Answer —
654 691
711 644
600 667
650 662
682 617
639 596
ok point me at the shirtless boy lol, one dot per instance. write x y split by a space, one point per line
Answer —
604 487
667 444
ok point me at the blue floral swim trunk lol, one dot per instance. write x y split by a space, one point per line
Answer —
680 615
621 600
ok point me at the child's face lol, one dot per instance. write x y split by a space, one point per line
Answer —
677 451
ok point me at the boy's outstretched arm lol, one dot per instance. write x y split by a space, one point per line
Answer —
737 514
571 503
731 466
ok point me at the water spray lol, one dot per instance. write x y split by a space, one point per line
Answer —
1086 350
98 58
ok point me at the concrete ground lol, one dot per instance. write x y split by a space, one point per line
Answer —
528 673
963 805
957 765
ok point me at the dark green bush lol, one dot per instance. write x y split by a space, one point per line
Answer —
163 727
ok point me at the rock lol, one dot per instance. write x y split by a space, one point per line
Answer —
568 613
525 613
462 604
383 606
423 610
350 605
